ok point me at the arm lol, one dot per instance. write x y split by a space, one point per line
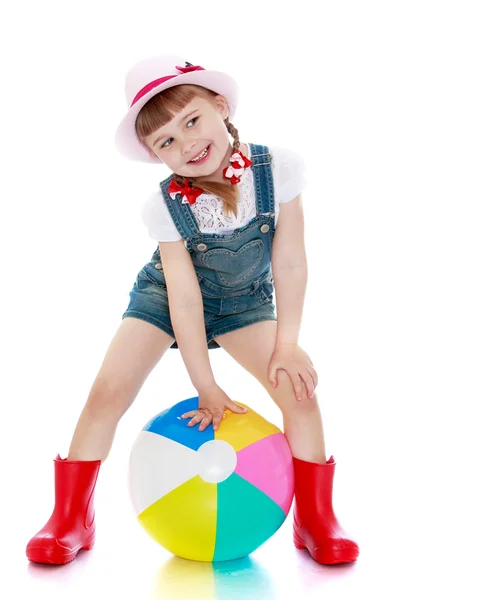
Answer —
290 270
186 311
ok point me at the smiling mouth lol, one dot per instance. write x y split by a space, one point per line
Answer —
201 156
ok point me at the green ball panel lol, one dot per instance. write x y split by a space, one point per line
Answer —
245 525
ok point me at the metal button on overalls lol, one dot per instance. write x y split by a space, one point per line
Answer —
202 247
158 266
265 228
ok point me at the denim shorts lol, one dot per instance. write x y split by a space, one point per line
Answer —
149 302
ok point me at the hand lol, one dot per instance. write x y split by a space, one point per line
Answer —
292 359
212 403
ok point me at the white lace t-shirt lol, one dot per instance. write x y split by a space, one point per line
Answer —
288 178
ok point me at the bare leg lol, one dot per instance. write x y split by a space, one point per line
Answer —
252 348
303 426
133 353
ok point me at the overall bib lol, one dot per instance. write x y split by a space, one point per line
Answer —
233 270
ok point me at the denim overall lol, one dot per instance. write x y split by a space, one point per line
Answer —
233 270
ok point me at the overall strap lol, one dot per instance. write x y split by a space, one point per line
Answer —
263 179
181 214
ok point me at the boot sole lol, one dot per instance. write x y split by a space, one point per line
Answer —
47 556
329 557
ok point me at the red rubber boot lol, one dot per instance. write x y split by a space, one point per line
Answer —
316 527
71 526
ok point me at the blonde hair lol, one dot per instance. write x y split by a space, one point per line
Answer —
161 109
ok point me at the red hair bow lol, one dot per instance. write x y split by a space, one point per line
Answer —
187 191
238 164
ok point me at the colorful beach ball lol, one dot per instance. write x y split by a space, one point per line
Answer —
211 495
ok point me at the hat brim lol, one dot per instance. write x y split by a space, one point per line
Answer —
126 139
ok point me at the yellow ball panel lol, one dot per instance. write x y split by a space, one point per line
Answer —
241 430
184 521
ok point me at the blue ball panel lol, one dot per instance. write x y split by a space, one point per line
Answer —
169 424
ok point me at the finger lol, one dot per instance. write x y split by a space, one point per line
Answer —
205 421
308 382
196 419
296 382
216 420
314 375
272 375
236 408
310 375
188 414
200 413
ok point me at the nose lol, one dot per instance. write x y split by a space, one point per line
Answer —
188 146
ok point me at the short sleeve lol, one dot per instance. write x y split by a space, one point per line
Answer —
156 217
288 173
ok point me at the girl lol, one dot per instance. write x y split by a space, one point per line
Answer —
222 251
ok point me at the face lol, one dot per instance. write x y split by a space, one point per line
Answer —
195 142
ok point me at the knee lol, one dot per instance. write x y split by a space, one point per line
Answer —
107 401
284 396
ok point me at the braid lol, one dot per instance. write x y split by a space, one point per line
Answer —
179 179
233 131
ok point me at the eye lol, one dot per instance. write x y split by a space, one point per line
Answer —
168 142
164 145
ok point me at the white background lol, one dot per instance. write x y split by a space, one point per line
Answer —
395 108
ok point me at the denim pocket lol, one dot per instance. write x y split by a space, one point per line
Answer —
266 290
233 268
153 274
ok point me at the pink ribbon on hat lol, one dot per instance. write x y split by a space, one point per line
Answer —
153 84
